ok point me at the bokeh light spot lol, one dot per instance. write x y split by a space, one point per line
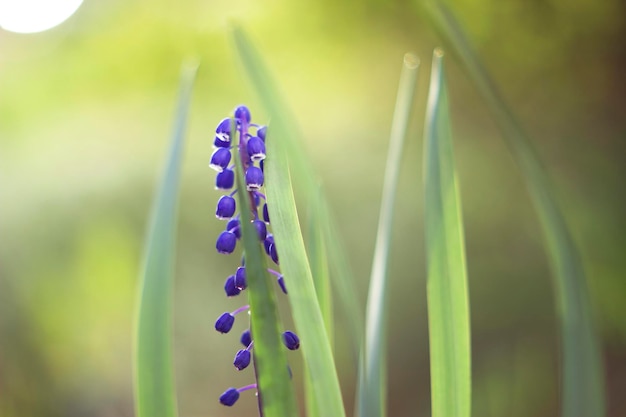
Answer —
30 16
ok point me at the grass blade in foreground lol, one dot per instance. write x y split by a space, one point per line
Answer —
284 121
307 314
321 280
276 393
155 394
448 306
373 375
583 374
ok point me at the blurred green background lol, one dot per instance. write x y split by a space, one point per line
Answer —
86 110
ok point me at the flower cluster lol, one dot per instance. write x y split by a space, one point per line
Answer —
251 151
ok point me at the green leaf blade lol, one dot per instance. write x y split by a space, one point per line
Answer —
282 155
582 370
276 393
373 369
273 101
448 301
154 389
321 280
307 314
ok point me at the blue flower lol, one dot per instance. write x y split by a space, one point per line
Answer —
224 323
225 179
246 338
240 278
226 207
230 288
242 359
229 397
256 148
291 340
220 159
254 178
261 229
242 114
226 242
222 132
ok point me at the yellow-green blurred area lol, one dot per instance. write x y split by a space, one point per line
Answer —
86 111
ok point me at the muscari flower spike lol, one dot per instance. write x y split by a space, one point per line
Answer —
252 153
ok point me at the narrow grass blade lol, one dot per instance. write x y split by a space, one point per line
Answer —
321 280
276 393
307 314
284 121
583 374
448 305
155 394
319 264
372 395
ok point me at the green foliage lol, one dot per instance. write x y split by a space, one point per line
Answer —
372 396
276 394
307 313
448 304
321 279
155 394
582 378
300 166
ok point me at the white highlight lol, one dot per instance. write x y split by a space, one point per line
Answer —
30 16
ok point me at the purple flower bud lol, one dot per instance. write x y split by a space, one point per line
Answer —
291 340
220 159
219 143
273 253
240 278
281 283
229 397
266 214
267 243
242 114
261 229
242 359
261 132
230 287
256 148
225 179
233 226
224 323
246 338
226 242
226 207
254 178
222 132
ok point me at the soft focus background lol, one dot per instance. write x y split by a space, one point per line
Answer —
86 111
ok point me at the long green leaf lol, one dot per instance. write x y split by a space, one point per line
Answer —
155 394
448 305
294 264
372 395
276 393
307 314
273 101
321 280
583 374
